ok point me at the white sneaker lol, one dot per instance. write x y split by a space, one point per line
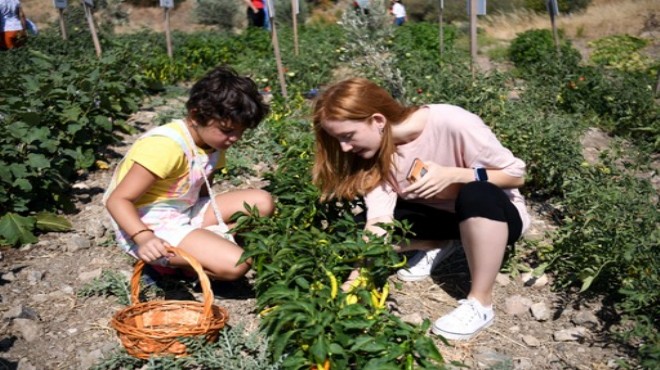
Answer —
423 262
465 321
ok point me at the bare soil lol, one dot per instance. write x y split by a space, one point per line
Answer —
45 325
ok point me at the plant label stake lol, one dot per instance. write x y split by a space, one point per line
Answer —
167 5
441 34
295 10
553 10
88 5
60 5
276 46
475 7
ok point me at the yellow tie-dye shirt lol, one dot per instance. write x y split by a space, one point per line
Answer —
166 159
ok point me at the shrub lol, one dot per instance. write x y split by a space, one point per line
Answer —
620 52
220 13
534 51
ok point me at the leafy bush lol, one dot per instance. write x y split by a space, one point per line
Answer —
534 51
220 13
620 52
624 100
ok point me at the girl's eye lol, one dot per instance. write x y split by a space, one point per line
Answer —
347 137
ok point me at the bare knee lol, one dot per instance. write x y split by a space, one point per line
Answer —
229 273
264 202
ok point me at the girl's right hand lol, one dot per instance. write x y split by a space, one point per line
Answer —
151 248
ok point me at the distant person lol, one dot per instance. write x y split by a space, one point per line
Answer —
361 7
399 13
256 13
13 24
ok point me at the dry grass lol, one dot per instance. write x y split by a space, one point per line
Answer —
602 18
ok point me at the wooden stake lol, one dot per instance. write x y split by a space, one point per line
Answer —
168 36
62 24
278 58
473 35
441 28
294 15
92 28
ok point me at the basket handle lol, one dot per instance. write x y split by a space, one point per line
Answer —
203 280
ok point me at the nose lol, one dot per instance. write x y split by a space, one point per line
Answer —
345 147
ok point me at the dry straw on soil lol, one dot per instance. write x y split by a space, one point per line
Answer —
602 18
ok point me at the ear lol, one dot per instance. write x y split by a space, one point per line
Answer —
379 120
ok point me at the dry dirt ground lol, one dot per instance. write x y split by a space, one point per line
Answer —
46 325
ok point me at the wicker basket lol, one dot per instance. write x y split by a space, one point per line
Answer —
154 328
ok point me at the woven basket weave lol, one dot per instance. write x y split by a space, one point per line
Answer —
154 328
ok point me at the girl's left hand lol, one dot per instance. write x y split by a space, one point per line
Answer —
435 181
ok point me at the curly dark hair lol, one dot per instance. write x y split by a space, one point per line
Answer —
223 95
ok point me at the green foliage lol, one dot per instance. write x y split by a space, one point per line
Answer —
302 254
620 52
15 229
624 100
111 282
76 101
565 6
220 13
235 349
18 230
534 51
421 40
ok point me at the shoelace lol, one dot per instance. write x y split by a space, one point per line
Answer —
466 311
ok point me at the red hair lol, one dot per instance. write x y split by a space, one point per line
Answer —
344 175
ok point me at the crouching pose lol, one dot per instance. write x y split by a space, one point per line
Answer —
461 191
160 194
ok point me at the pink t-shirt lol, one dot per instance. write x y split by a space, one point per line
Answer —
452 137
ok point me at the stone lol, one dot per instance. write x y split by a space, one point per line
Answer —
90 275
77 243
540 311
531 340
29 329
517 305
585 318
414 318
502 279
571 334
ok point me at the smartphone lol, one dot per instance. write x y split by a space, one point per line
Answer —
416 171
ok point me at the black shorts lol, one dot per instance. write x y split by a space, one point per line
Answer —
476 199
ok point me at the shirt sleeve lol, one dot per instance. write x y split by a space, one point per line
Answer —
483 149
380 201
160 155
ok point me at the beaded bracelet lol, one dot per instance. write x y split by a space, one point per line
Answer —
132 237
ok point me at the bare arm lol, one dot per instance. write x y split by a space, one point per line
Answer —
438 179
121 205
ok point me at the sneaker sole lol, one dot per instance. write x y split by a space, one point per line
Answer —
460 336
443 255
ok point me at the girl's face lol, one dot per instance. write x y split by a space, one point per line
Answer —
361 138
218 135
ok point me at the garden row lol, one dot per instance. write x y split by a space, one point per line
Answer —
607 215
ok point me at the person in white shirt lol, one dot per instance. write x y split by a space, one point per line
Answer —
399 13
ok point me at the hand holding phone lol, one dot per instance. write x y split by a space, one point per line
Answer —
416 171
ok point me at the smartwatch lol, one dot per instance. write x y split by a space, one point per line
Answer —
480 174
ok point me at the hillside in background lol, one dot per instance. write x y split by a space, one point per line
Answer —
602 18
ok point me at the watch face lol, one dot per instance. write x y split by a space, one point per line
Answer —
481 174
